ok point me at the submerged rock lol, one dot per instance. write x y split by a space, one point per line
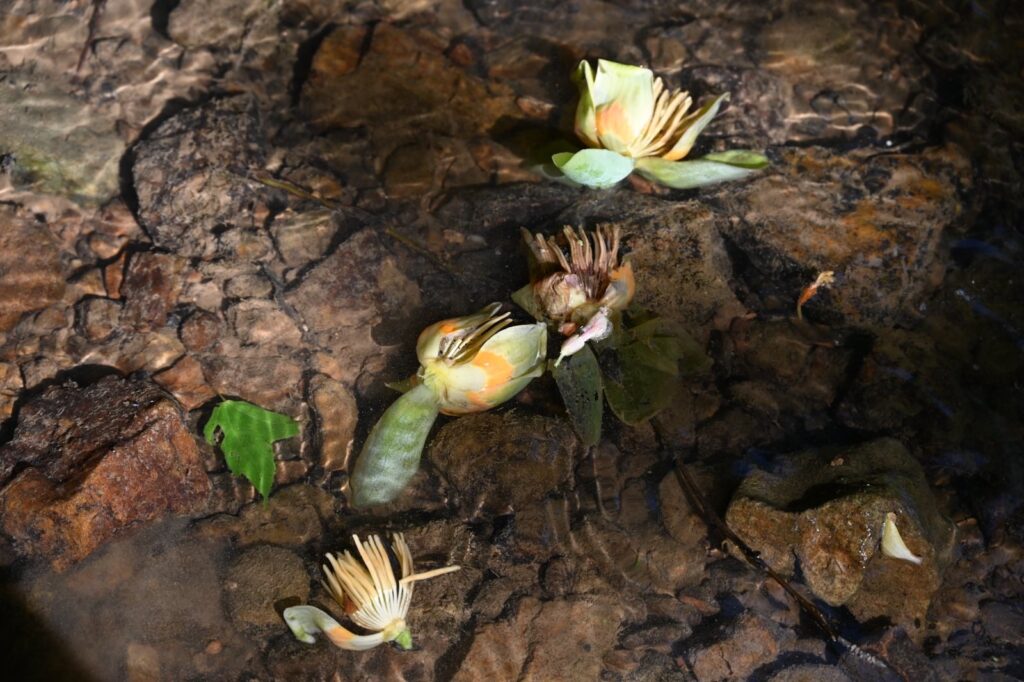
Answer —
96 461
56 143
875 221
31 276
192 175
825 511
497 462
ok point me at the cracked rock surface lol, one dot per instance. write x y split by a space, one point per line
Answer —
269 200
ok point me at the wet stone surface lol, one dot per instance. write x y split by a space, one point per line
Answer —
269 201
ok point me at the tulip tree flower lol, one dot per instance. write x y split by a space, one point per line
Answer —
584 293
467 364
580 294
381 599
630 121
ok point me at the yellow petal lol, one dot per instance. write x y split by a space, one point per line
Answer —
623 99
692 126
305 621
500 369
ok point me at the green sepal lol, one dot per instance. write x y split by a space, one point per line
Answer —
391 455
744 158
404 639
249 433
596 168
403 385
525 299
695 173
579 382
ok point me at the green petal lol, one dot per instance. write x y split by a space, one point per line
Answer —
597 168
693 125
687 174
744 158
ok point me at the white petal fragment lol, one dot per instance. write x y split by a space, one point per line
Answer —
892 542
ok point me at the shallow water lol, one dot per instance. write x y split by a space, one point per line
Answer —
269 201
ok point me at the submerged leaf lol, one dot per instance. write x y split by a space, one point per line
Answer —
689 174
249 433
579 382
644 376
598 168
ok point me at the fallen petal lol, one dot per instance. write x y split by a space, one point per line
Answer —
892 542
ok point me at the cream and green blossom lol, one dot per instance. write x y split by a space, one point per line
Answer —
368 585
630 121
467 364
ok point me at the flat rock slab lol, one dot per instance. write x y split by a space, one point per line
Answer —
94 462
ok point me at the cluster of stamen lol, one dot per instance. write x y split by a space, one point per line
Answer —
462 345
662 130
382 600
590 259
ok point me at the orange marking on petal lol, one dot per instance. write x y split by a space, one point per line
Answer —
338 634
498 370
611 118
448 327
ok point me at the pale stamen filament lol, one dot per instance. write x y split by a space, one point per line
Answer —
458 346
676 110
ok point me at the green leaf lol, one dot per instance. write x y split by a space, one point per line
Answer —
644 372
744 158
249 433
689 174
579 381
597 168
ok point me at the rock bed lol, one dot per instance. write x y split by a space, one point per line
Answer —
269 201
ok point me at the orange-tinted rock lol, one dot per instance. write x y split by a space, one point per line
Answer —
97 461
151 287
876 222
30 268
186 382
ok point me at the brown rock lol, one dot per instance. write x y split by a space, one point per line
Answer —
201 330
255 374
97 318
750 643
263 323
151 287
679 260
875 222
31 274
185 380
259 580
500 461
349 293
291 517
405 82
190 175
336 417
826 510
303 238
98 461
560 640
